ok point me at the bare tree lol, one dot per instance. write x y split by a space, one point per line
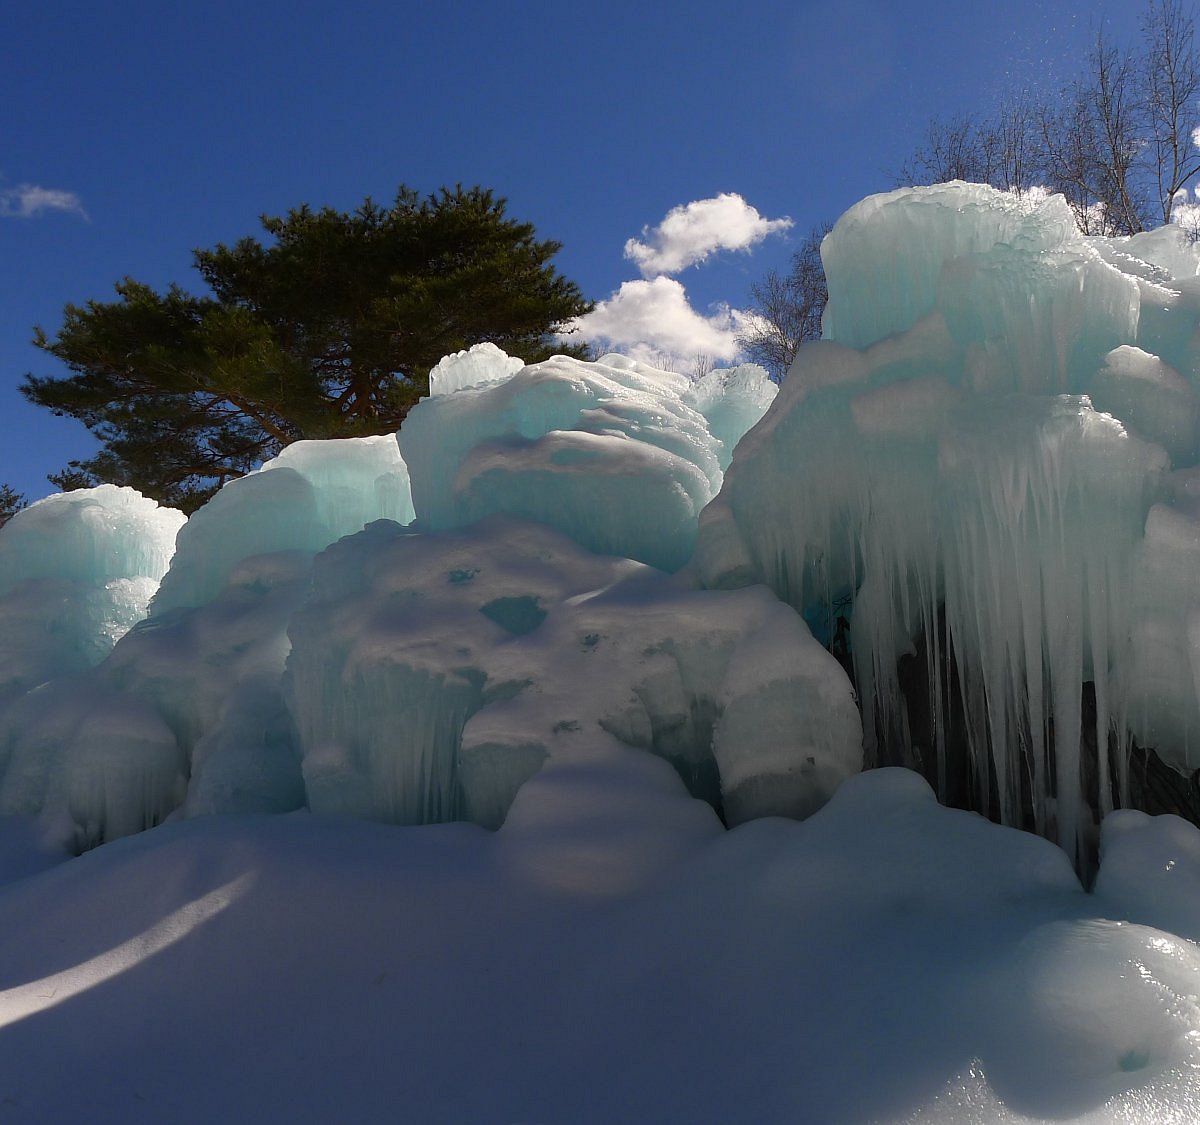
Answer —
1016 163
1003 150
1119 142
1172 99
786 309
1091 141
952 150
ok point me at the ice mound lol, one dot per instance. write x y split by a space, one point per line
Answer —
476 367
417 677
1150 871
312 494
190 715
185 713
91 536
965 489
77 570
431 675
608 453
1095 1005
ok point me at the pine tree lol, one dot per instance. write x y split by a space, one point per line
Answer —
11 502
328 330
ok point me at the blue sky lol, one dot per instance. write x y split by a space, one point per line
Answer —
134 133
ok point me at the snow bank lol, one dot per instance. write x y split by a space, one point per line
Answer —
609 955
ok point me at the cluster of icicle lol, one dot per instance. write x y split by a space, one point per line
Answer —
991 456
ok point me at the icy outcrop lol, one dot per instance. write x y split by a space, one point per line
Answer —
732 400
186 711
431 675
428 677
309 496
608 453
478 366
77 571
966 470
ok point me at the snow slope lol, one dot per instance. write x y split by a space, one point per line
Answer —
609 955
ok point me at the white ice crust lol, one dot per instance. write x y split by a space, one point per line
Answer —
477 366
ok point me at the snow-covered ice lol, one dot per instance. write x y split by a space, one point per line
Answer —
510 768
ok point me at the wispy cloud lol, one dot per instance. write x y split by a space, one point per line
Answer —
693 231
26 201
654 319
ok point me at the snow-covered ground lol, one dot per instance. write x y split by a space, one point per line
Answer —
611 954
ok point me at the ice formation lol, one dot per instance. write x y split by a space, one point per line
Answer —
980 491
408 675
596 609
609 453
309 496
431 675
77 570
990 462
477 366
732 400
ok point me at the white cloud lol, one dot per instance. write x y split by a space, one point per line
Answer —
654 321
692 231
27 200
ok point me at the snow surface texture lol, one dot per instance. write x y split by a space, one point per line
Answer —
990 465
609 955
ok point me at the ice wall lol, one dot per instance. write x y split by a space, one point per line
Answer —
985 467
415 675
980 491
